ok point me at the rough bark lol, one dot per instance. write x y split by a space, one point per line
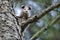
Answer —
9 29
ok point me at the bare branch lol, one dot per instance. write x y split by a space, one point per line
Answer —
55 20
46 27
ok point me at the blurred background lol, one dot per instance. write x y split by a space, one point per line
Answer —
52 33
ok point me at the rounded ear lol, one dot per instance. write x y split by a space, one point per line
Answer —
29 8
23 6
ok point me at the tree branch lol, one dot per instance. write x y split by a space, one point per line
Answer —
40 15
46 27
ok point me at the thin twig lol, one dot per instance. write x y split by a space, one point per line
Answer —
46 27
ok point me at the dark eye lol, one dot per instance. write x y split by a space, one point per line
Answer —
29 8
23 6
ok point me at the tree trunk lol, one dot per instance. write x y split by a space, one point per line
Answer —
9 28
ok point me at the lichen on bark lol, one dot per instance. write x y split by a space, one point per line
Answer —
9 29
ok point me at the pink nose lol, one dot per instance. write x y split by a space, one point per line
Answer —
26 11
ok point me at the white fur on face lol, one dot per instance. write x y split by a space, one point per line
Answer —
26 10
18 11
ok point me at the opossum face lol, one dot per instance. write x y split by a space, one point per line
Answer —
25 9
